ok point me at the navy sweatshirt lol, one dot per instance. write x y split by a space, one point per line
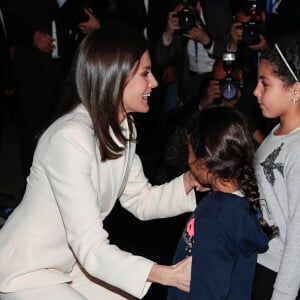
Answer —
224 237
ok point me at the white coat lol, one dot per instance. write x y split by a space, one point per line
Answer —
68 195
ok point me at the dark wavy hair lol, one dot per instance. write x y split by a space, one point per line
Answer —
290 48
220 136
97 79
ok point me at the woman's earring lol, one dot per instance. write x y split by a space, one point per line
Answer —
295 100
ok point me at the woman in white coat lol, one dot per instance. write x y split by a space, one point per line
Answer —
54 245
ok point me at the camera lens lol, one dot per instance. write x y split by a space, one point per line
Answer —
187 19
229 86
251 32
229 91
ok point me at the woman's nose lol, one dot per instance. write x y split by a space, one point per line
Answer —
153 82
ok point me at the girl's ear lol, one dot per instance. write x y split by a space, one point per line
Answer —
200 164
298 86
295 92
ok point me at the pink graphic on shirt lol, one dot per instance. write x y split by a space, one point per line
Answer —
190 227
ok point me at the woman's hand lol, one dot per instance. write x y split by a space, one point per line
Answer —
190 182
178 275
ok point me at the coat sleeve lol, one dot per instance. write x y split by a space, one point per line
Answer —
68 166
149 202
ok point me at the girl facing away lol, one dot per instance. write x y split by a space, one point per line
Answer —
227 230
278 170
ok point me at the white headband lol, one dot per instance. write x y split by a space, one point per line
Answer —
286 63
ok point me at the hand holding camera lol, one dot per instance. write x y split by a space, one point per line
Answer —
229 86
185 20
249 26
213 92
188 17
224 88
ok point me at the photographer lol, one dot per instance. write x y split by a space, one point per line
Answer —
195 39
226 89
248 29
223 88
45 35
248 38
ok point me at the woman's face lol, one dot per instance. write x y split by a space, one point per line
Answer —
138 90
272 97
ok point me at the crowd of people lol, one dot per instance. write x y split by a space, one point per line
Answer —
90 80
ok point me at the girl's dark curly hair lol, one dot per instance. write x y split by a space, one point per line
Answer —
290 49
220 136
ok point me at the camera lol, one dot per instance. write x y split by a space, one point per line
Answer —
229 86
252 28
251 31
187 17
251 7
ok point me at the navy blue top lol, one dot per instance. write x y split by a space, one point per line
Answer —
223 236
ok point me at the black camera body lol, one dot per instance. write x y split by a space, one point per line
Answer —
251 32
252 7
252 28
229 86
187 17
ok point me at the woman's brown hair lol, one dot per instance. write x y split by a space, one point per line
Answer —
97 79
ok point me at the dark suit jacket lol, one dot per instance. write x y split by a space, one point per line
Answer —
4 58
38 77
133 13
24 18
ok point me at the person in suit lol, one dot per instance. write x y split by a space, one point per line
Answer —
43 47
45 36
54 246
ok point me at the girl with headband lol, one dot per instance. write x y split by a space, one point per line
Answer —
278 171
